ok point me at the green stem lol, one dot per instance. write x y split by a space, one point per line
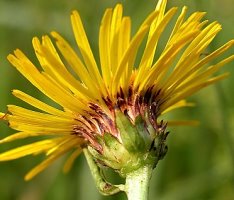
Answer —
137 183
102 185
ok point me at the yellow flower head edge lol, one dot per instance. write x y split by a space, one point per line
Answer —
90 103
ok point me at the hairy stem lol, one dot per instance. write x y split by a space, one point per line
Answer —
137 183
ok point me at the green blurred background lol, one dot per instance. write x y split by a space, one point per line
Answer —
200 161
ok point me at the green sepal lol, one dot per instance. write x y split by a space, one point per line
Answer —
113 154
137 144
143 132
132 139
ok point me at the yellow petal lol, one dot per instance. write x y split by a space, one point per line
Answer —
68 164
83 44
191 90
53 91
29 149
39 104
19 135
43 165
180 104
105 46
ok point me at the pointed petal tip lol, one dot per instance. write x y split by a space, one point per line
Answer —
2 141
28 177
119 7
232 42
3 117
185 8
75 13
11 57
15 91
54 34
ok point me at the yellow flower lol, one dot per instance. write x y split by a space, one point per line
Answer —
91 98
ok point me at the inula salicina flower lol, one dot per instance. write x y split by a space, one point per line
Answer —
111 106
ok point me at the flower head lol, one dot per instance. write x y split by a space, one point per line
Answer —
112 108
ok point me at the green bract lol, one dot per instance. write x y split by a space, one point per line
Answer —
140 145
